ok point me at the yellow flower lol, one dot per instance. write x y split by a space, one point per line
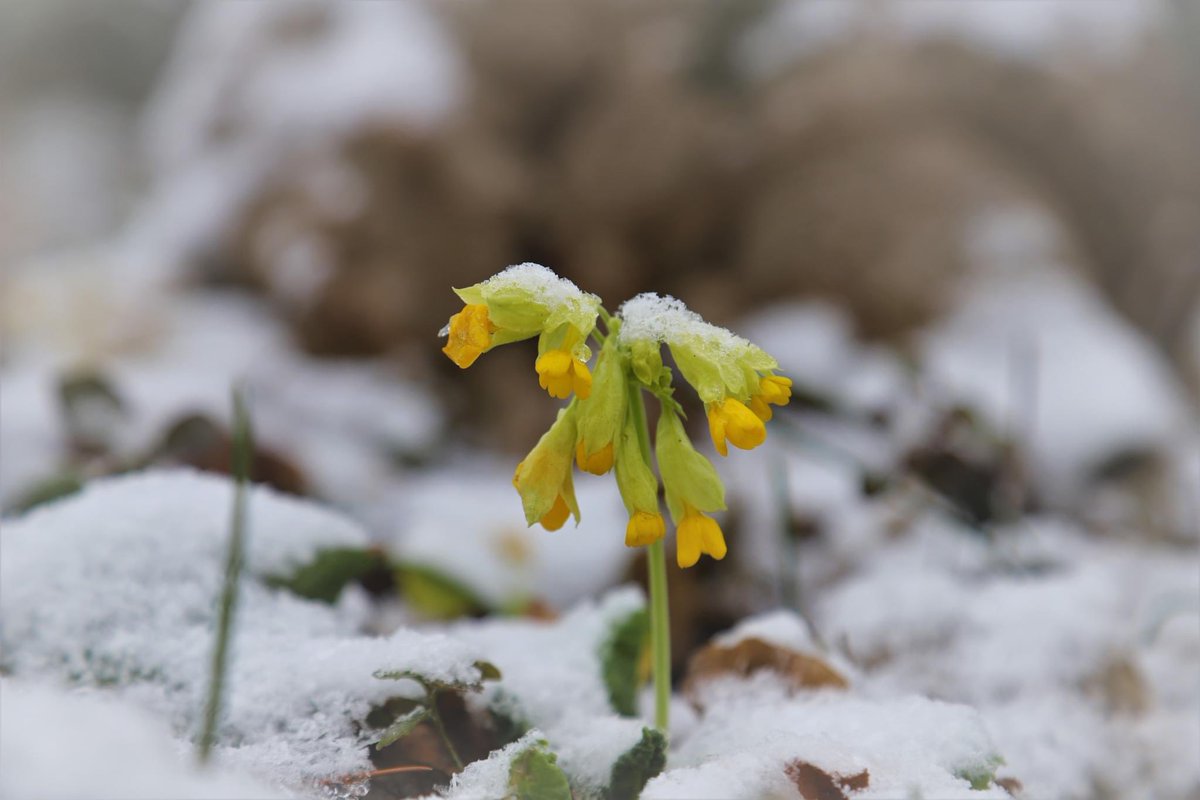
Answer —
602 411
692 487
543 478
645 527
730 420
470 333
639 490
696 534
560 373
772 390
596 463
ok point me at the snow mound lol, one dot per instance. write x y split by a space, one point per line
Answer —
117 587
127 753
752 729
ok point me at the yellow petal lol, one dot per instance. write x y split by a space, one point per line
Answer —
596 463
716 429
697 534
470 335
556 516
760 408
741 426
644 528
581 379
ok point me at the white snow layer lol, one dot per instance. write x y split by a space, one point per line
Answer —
118 587
59 744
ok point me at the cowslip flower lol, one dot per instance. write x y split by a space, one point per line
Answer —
639 490
733 377
543 478
773 390
519 303
692 488
602 412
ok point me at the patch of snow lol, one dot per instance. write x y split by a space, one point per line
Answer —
551 671
120 751
1038 352
117 587
753 728
487 778
649 317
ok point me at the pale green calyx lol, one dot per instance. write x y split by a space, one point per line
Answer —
602 414
690 480
715 361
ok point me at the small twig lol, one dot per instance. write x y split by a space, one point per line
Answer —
243 448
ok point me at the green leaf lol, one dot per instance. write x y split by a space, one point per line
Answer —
535 775
638 765
434 595
981 775
403 726
325 576
621 657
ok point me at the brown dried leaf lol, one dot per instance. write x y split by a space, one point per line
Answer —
751 655
1011 785
815 783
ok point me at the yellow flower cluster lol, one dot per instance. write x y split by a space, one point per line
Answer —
603 426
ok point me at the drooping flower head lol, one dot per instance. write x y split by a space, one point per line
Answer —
692 488
521 302
733 377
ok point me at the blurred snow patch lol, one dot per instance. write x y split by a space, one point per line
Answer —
1037 351
58 744
467 524
250 84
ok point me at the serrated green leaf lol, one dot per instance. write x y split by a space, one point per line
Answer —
325 576
435 595
621 656
403 726
638 765
535 775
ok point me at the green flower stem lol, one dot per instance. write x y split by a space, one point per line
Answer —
656 560
243 453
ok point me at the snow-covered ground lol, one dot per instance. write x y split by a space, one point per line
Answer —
1034 633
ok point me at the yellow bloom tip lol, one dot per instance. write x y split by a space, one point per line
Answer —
698 534
556 516
644 528
560 373
731 420
470 335
596 463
